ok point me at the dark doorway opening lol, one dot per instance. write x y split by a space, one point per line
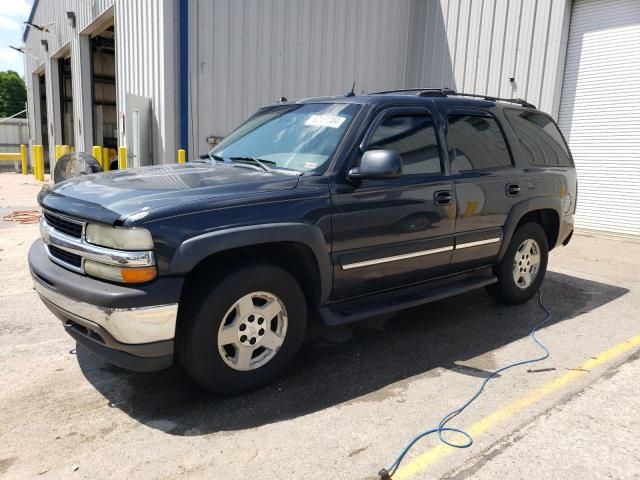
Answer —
103 91
66 101
44 123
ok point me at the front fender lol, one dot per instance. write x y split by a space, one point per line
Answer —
196 249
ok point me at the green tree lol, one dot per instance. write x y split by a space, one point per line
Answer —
13 94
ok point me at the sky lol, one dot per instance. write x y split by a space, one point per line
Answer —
12 14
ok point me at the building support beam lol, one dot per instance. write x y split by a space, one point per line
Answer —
184 74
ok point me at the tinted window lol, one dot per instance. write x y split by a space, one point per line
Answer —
414 138
478 143
540 138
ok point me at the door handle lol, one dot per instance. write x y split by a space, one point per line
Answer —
443 197
513 190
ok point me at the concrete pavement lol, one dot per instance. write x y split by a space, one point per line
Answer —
354 397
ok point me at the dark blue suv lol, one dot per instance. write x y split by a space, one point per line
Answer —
328 209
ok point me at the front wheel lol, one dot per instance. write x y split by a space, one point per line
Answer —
244 331
523 267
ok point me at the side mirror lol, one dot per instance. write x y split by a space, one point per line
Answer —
377 164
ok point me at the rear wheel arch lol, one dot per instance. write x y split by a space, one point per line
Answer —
548 218
545 211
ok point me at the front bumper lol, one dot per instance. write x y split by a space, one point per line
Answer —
132 327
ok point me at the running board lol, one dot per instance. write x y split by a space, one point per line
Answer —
352 310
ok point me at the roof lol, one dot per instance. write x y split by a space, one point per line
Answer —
33 12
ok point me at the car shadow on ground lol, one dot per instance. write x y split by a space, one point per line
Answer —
342 364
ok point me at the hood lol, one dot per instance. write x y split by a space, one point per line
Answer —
107 197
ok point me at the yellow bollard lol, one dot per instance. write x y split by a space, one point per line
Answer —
23 157
58 152
106 159
122 158
34 165
65 149
96 151
182 155
39 162
33 160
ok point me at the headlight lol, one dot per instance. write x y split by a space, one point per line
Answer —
119 238
119 274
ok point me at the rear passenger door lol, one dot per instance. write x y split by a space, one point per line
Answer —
486 184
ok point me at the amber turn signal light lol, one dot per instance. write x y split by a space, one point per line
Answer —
138 274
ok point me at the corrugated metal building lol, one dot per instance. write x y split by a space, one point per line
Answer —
13 133
157 75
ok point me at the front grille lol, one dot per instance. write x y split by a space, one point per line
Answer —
64 256
68 227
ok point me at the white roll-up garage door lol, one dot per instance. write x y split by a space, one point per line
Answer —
600 112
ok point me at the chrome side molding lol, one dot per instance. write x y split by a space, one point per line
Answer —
478 243
395 258
421 253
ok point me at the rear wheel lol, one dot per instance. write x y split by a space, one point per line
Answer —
523 267
244 330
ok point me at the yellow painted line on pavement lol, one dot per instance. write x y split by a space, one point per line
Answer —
440 451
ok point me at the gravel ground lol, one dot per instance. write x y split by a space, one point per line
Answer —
354 396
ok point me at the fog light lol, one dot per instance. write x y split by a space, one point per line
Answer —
119 274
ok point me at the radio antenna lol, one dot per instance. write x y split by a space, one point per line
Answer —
352 93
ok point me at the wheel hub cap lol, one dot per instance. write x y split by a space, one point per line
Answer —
526 263
252 331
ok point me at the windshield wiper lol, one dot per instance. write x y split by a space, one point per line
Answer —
212 157
257 161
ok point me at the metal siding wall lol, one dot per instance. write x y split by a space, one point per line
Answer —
603 131
13 133
476 46
60 36
146 65
146 59
246 54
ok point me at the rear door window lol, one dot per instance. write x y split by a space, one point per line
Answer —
478 143
540 138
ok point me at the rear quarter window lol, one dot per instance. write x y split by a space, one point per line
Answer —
478 143
540 138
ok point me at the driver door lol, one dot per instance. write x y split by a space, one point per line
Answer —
393 232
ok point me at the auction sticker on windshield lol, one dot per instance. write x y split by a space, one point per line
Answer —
331 121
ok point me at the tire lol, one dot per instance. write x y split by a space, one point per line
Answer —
526 241
218 331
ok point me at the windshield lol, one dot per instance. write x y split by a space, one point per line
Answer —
297 137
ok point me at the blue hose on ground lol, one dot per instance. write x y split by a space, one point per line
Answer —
441 428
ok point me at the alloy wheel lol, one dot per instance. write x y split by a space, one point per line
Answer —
253 330
526 263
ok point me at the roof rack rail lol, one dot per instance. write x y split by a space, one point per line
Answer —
419 91
436 92
443 92
490 98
